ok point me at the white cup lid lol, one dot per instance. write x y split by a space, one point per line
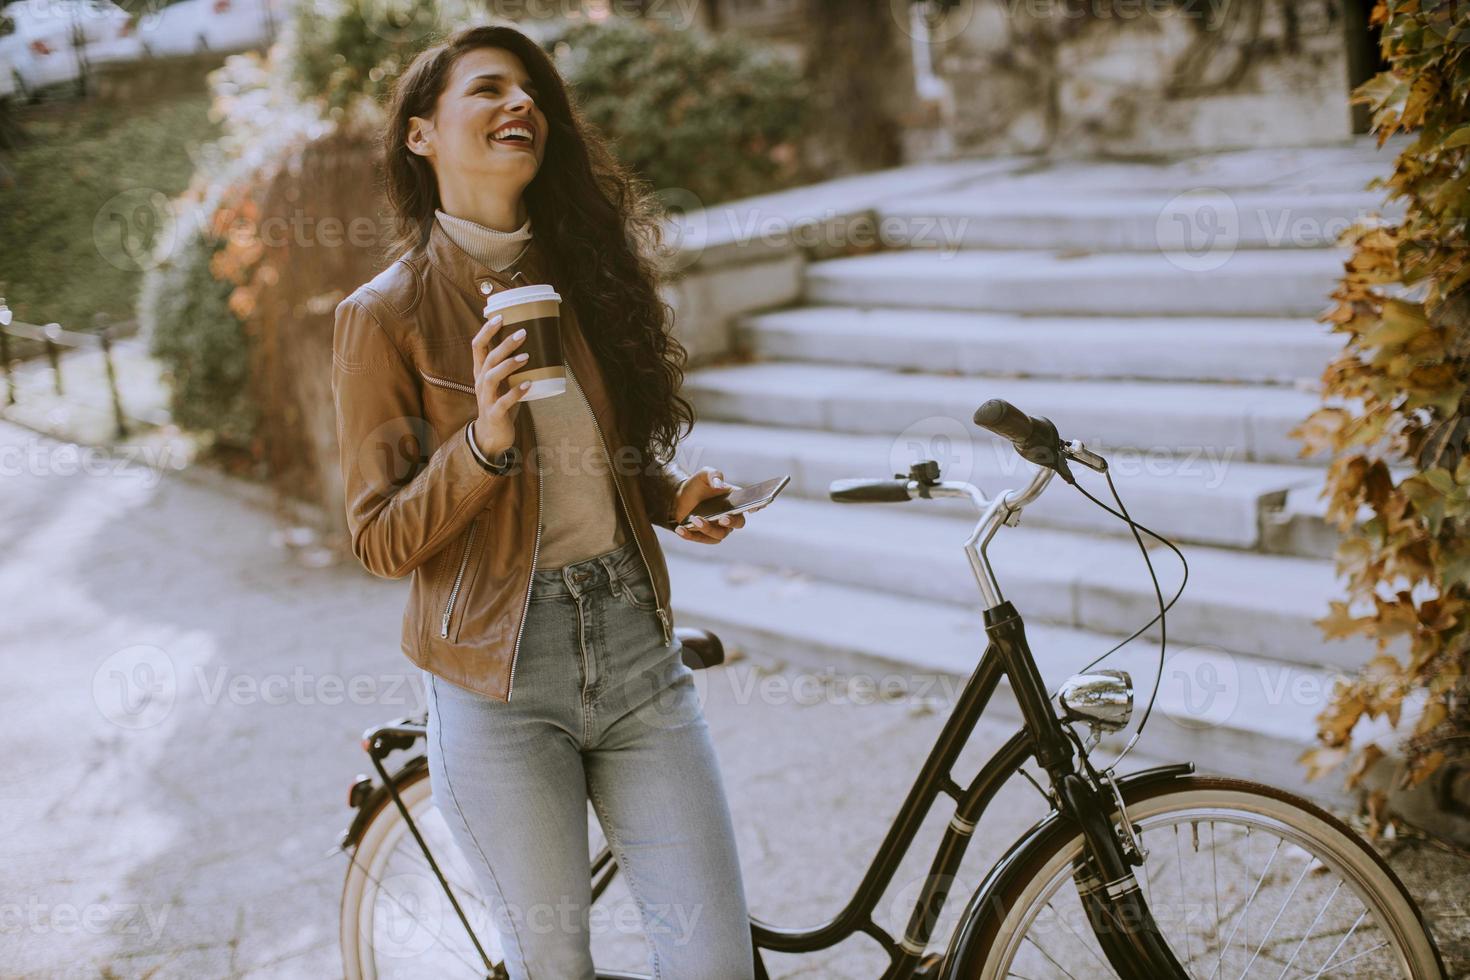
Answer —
518 295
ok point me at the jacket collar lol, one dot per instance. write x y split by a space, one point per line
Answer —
473 277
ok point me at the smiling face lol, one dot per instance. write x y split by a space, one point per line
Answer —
487 130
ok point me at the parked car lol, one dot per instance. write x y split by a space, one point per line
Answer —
211 25
47 42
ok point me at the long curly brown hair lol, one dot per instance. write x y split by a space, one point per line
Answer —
597 223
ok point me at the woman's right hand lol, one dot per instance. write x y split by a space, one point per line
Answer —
495 428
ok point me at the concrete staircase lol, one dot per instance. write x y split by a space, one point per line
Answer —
1065 290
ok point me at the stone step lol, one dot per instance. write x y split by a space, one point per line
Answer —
1255 282
1230 423
1300 526
1226 712
1189 500
1301 170
1239 349
1201 220
1259 605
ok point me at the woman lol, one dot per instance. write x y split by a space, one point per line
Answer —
538 607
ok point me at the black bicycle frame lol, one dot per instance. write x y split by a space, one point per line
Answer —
1116 907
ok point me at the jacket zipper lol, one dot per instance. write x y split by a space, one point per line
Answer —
531 578
502 282
464 561
663 617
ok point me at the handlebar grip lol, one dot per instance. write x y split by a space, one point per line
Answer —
868 491
1005 419
1035 439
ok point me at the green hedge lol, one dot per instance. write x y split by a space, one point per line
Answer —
717 116
184 312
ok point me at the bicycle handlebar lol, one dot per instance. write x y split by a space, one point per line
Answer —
860 491
1008 421
1035 439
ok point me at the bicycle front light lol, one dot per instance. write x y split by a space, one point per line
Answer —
1101 698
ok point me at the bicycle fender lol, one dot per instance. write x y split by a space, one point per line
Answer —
376 800
964 957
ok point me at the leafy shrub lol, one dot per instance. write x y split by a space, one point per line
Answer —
191 305
184 312
340 51
714 115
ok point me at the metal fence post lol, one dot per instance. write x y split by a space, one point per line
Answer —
53 352
9 371
104 334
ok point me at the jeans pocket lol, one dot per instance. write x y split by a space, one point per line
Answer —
637 588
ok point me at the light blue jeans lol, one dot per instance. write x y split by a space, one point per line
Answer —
600 709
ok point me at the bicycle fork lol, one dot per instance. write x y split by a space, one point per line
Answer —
1116 908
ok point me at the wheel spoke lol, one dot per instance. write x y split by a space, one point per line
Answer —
1355 956
438 937
1338 947
1279 912
1183 901
1084 943
1310 929
1215 873
1048 957
416 856
1245 909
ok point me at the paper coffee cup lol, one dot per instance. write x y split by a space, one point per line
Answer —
537 310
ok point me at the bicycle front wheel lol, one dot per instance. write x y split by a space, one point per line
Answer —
1244 881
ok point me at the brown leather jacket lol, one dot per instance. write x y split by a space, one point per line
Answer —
419 503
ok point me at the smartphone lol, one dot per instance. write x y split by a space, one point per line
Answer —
738 501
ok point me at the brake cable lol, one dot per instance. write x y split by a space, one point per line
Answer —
1037 441
1135 527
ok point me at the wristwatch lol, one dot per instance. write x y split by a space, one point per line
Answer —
500 464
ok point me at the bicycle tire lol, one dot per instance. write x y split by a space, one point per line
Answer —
1045 874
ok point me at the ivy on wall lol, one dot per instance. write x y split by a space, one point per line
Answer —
1399 394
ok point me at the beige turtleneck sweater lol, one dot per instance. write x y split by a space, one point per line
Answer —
580 517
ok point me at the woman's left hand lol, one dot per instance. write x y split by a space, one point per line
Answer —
707 482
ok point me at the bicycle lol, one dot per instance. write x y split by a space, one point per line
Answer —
1080 894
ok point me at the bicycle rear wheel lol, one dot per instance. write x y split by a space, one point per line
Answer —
396 920
1244 881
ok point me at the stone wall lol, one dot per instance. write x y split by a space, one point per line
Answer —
1116 77
1143 76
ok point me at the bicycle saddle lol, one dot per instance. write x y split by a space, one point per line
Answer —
701 647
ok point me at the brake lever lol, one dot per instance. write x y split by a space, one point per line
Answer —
1079 453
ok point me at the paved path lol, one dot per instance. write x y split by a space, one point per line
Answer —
185 694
